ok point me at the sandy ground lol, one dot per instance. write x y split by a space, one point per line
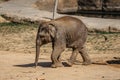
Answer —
17 53
17 66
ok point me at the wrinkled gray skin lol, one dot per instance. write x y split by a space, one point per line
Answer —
64 32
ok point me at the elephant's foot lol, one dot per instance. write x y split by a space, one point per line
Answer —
87 62
57 65
70 63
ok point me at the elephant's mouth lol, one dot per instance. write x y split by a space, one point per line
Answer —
45 40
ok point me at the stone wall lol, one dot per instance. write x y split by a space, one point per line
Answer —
111 5
89 4
66 6
45 5
107 5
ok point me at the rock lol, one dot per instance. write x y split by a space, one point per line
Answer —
90 5
2 20
111 5
45 5
116 58
40 79
64 6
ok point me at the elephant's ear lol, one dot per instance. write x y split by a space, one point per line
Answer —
52 30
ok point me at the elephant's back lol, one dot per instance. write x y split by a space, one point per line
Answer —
70 23
66 19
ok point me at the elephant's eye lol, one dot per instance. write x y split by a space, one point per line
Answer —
44 29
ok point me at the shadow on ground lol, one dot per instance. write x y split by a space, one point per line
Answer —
48 64
113 61
42 64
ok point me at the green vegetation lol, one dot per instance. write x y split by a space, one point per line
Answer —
4 0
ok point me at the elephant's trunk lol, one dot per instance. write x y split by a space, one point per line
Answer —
38 44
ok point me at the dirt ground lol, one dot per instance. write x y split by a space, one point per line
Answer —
18 66
17 53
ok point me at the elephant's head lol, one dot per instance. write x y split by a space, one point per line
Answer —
45 34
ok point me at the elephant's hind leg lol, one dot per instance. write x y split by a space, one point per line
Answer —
85 56
72 57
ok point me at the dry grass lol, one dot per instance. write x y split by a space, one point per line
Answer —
21 38
17 37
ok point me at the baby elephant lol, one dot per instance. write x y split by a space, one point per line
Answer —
64 32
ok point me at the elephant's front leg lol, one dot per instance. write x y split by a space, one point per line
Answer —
55 57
